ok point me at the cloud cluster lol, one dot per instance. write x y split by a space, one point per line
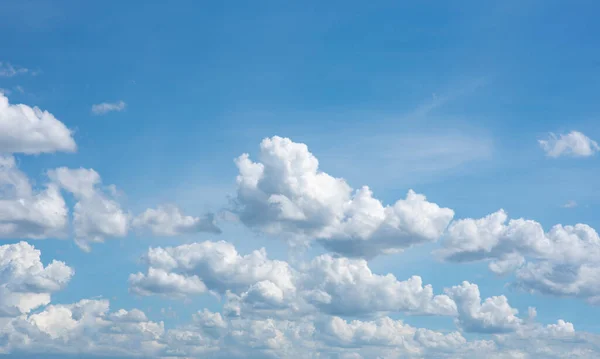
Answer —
25 283
572 144
25 212
214 266
494 315
255 285
286 194
95 215
562 261
274 308
89 328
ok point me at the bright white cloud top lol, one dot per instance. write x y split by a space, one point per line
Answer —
24 129
286 194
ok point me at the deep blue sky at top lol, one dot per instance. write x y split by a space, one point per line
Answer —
383 93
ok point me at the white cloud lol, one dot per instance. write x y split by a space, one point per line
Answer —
343 286
187 268
95 215
169 221
85 327
286 193
562 261
25 283
254 284
32 131
106 107
494 315
26 213
89 328
574 144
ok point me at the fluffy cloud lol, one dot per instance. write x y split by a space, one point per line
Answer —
254 283
494 315
393 338
169 221
574 144
25 283
343 286
286 193
562 261
217 266
32 131
84 327
88 327
105 107
25 213
95 215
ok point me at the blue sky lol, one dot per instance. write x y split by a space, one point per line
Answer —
447 99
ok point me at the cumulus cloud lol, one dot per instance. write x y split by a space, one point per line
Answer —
169 221
562 261
85 327
286 193
574 144
106 107
25 212
25 283
254 284
89 327
95 215
216 266
30 130
494 315
343 286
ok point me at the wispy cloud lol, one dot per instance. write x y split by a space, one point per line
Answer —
105 107
9 70
573 144
570 204
437 101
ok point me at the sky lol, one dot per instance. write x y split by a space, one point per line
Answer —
184 179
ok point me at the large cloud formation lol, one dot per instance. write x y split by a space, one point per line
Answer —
562 261
286 194
325 307
253 284
89 328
